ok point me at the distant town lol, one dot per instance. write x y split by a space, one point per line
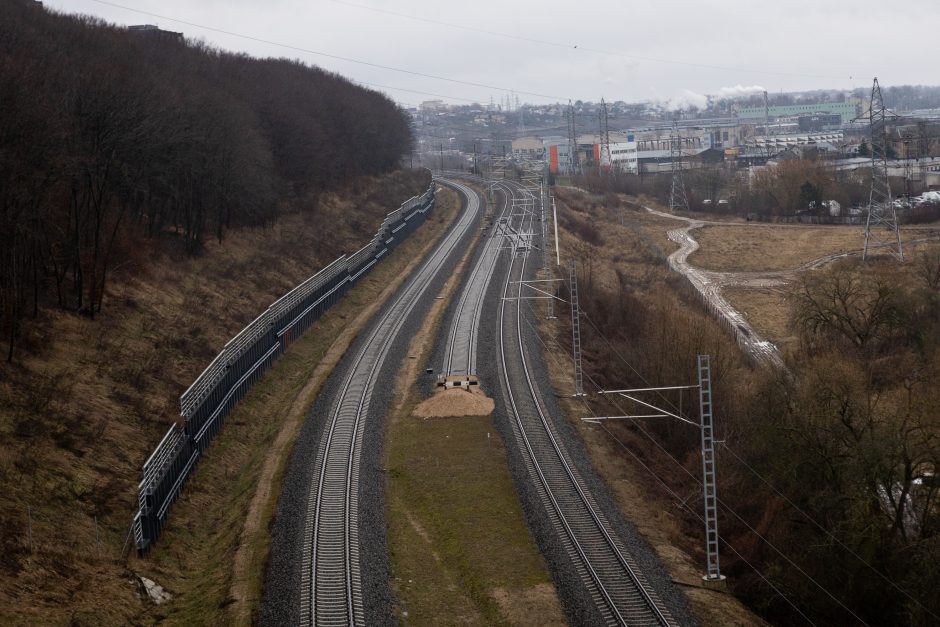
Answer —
745 133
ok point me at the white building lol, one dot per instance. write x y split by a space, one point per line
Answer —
623 157
527 148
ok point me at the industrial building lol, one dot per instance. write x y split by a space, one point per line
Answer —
556 150
847 110
528 148
773 144
623 157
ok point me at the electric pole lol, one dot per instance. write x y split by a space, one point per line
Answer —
575 329
706 426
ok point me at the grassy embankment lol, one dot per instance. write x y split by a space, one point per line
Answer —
218 541
631 257
84 407
762 248
460 548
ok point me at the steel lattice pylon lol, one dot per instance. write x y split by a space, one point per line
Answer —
677 197
574 164
604 156
881 211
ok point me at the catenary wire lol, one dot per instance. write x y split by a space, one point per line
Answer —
566 46
412 91
734 513
329 55
824 530
665 486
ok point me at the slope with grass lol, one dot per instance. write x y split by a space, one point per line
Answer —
82 409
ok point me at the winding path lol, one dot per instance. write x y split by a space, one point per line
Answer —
709 284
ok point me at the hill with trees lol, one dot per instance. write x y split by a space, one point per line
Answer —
155 196
110 137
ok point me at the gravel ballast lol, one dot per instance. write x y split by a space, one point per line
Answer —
574 596
282 594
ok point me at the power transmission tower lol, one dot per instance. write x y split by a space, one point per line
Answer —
677 197
573 162
881 211
766 114
604 157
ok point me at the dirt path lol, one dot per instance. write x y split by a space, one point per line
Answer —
246 558
709 284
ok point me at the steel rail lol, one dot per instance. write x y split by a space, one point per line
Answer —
585 533
331 582
460 352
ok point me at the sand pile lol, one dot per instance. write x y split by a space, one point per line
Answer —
446 403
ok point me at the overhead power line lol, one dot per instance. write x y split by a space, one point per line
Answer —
413 91
723 504
681 502
572 46
330 55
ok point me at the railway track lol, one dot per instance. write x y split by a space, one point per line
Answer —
460 353
607 570
331 577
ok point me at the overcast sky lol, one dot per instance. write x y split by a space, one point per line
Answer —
628 50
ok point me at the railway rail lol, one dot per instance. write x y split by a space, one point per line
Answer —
331 576
460 353
615 584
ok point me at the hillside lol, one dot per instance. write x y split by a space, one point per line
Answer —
82 407
826 466
155 196
118 142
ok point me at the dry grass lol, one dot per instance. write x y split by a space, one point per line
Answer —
636 250
774 248
638 246
770 248
89 400
768 311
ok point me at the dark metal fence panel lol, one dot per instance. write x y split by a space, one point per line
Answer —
243 360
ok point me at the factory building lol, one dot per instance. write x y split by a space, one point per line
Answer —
847 110
528 148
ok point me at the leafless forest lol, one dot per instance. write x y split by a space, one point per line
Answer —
113 142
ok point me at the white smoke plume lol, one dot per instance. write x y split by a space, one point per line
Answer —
739 90
686 99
